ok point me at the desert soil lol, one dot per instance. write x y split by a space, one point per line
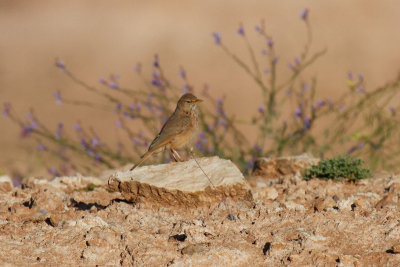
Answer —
78 221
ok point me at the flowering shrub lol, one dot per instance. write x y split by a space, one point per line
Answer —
360 122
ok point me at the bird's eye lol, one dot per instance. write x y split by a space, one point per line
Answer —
188 101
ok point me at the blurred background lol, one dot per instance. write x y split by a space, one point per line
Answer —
99 38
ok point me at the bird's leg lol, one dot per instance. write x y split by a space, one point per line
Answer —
176 155
172 156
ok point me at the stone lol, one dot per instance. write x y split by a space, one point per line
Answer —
396 249
390 200
6 184
321 204
277 167
195 248
271 193
183 183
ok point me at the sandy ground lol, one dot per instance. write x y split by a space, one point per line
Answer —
291 222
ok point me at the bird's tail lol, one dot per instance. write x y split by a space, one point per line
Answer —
143 158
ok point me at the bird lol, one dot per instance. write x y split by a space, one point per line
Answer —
177 131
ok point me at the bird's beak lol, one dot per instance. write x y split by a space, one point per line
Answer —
197 101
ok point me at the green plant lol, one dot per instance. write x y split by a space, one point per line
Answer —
338 168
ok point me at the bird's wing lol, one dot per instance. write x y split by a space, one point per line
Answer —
175 125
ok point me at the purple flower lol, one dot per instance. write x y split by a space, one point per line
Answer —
320 103
84 144
97 157
156 64
306 86
222 122
307 122
7 108
26 130
360 77
102 80
34 125
90 152
217 38
113 85
41 147
258 28
304 14
392 111
129 115
249 165
342 107
182 73
350 76
240 31
60 64
292 67
53 171
297 113
95 141
114 77
156 79
136 141
375 146
149 105
137 68
270 42
351 150
275 60
77 127
258 149
57 96
199 146
264 52
201 135
261 109
118 124
118 108
297 60
59 130
119 148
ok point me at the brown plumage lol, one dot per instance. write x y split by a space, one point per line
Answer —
177 131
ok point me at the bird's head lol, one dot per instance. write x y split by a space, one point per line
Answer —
188 103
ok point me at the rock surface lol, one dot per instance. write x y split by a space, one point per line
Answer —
183 183
77 221
276 167
5 184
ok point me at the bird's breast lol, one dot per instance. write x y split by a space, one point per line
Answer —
181 140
